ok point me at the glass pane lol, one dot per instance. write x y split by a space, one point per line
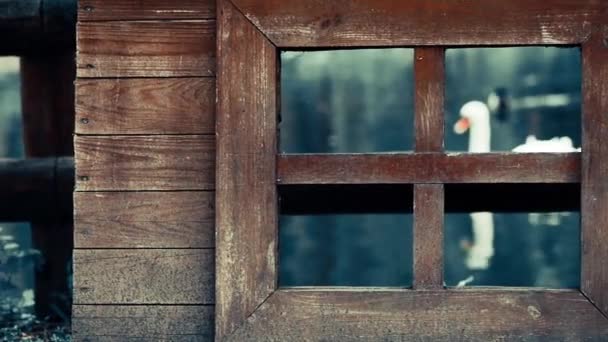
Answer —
17 259
347 101
513 249
524 98
345 250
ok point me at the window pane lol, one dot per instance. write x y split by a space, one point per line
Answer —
346 250
513 249
347 101
16 282
526 97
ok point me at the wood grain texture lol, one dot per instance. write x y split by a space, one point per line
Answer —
145 106
146 48
96 323
113 10
428 236
594 190
518 315
144 219
429 168
145 162
246 199
320 23
145 276
429 74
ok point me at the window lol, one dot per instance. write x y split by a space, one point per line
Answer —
252 172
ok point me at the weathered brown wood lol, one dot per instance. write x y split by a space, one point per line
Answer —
144 323
246 199
146 48
594 190
429 73
144 276
145 162
37 26
428 236
320 23
144 219
145 106
38 189
429 168
478 315
113 10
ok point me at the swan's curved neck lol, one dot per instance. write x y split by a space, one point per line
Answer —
480 135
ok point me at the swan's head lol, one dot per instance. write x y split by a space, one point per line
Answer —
471 113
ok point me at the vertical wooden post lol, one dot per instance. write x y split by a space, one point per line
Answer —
47 83
594 187
429 76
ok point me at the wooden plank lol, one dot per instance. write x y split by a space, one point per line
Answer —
145 162
114 10
594 190
429 73
144 276
429 168
364 315
145 106
96 323
428 236
320 23
146 48
144 219
246 199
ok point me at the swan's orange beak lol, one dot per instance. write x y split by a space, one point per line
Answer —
462 126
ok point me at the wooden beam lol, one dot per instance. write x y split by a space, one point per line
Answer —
594 188
37 26
477 315
419 168
38 190
362 23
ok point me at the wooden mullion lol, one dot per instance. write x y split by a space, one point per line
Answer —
429 71
594 188
428 235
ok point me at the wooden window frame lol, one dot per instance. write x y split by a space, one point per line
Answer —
249 304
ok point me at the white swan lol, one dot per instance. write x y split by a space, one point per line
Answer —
475 116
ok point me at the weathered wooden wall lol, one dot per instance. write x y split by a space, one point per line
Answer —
145 160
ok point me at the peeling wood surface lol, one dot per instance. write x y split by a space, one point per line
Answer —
429 74
429 168
145 162
109 323
594 191
145 106
246 199
146 276
146 48
144 219
363 315
321 23
113 10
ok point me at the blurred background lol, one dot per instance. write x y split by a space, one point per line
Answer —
357 101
